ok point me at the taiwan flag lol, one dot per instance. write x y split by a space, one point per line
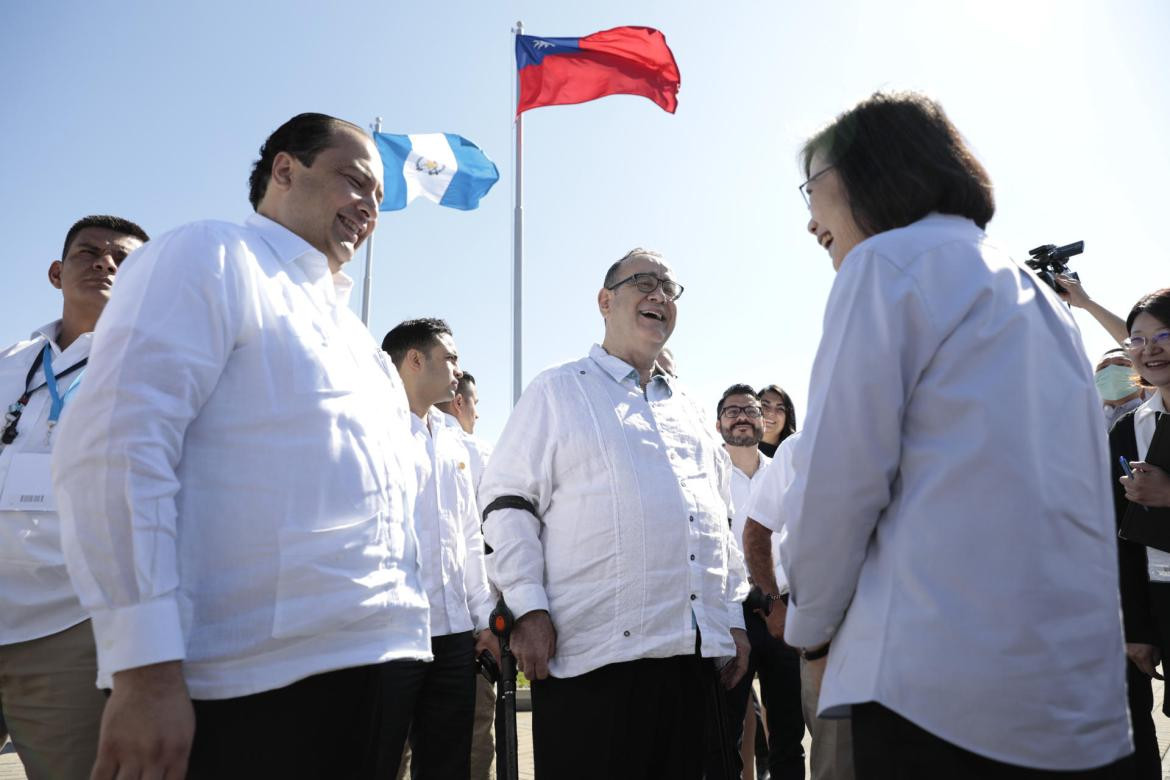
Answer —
621 61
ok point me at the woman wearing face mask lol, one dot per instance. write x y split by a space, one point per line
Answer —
1145 572
1114 376
779 418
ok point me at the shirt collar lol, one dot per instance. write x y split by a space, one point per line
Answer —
621 371
290 247
1152 406
50 332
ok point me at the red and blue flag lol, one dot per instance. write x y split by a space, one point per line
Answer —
621 61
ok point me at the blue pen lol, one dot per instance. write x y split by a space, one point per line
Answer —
1129 473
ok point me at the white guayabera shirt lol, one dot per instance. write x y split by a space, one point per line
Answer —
233 476
632 549
948 531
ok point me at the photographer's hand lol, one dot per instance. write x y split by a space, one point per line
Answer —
533 642
1075 295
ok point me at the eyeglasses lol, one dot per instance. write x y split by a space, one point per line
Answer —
804 187
731 412
1138 343
647 283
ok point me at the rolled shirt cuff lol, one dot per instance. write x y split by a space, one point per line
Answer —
801 630
523 599
735 615
137 635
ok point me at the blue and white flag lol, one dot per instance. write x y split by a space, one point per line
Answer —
443 167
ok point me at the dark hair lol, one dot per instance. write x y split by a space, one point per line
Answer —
734 390
789 410
420 334
1155 304
304 137
611 276
464 381
900 158
116 224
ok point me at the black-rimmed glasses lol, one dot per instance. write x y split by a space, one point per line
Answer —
731 412
647 283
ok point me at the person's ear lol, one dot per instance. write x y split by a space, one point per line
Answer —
282 170
604 301
55 273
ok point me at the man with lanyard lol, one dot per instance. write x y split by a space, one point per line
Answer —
740 424
235 496
50 706
446 521
607 516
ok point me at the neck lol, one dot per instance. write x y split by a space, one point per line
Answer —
746 459
641 360
74 323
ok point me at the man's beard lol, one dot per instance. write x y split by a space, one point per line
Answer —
743 439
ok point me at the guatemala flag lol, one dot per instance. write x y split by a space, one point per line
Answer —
443 167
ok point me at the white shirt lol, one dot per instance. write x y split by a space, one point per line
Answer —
1145 420
446 521
36 597
742 487
630 548
233 476
477 449
953 537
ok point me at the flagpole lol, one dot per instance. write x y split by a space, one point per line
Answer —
518 239
368 281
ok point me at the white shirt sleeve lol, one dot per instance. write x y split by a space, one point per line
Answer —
878 336
158 351
521 465
737 578
475 582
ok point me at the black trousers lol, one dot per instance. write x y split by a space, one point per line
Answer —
325 726
1147 758
637 720
886 746
778 666
440 715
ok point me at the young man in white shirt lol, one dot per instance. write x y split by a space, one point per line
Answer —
446 522
607 516
462 414
234 492
739 421
49 704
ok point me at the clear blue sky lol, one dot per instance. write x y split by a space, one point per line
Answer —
155 111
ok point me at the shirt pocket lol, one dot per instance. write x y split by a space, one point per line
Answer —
331 577
319 360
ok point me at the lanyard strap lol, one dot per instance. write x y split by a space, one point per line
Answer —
44 360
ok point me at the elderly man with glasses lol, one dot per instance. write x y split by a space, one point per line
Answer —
606 508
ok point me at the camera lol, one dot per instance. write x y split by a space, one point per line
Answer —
1050 260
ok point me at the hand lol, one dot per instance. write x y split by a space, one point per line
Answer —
775 619
534 641
486 640
147 725
735 669
1149 486
1074 294
1144 657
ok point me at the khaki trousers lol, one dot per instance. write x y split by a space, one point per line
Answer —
832 739
52 709
483 745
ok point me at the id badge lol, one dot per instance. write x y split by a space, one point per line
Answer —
29 484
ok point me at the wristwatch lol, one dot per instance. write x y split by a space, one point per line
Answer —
768 599
815 655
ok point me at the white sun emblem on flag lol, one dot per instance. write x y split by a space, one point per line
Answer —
542 45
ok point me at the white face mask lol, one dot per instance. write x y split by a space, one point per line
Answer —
1115 382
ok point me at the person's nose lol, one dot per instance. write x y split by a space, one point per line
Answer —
812 226
105 262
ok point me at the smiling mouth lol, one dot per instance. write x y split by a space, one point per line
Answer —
825 239
351 227
653 315
1156 364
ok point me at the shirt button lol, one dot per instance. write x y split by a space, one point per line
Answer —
692 518
692 556
625 633
693 597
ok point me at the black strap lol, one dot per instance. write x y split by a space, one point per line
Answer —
506 502
510 502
